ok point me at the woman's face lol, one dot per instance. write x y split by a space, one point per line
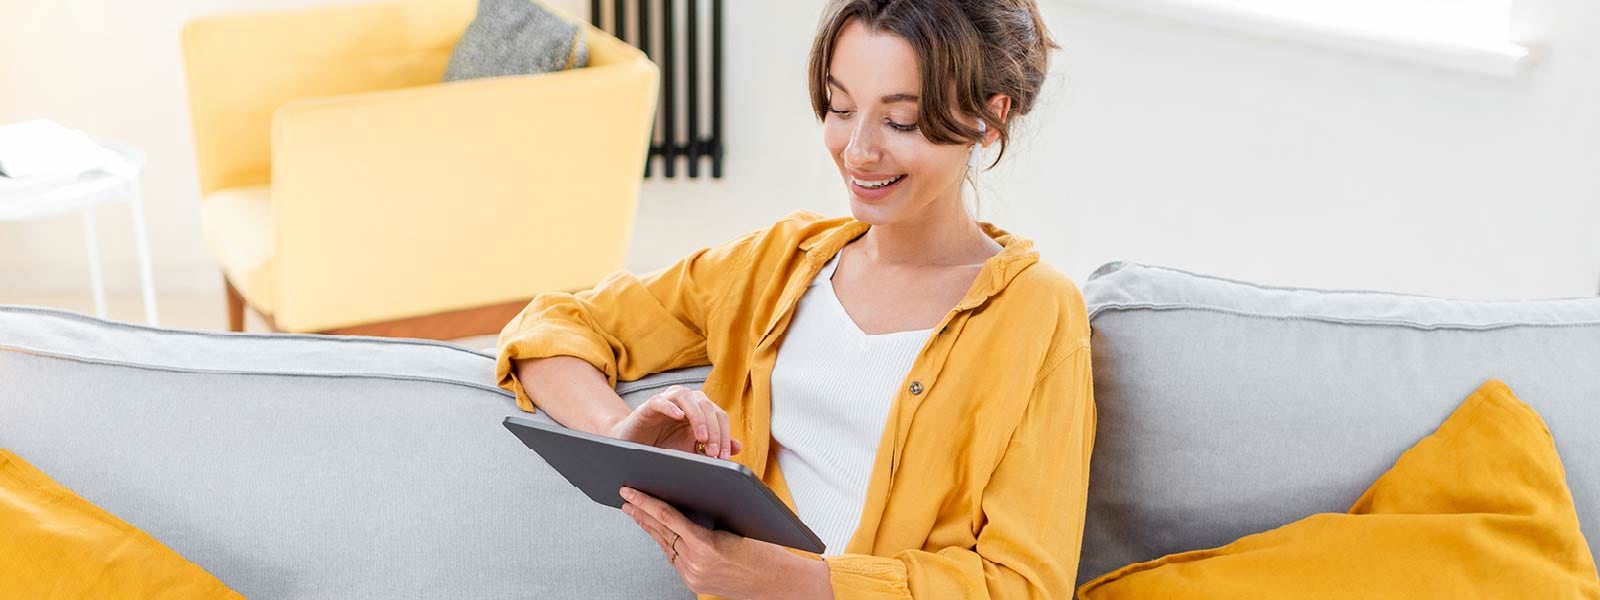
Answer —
871 131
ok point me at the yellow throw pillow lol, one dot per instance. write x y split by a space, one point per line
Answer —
55 544
1479 509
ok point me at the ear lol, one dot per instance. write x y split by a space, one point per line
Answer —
999 104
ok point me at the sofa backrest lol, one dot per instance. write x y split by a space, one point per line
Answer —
353 467
310 466
1228 408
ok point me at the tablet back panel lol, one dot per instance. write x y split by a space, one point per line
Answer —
716 493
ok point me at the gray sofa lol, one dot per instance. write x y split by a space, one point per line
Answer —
297 466
342 467
1228 408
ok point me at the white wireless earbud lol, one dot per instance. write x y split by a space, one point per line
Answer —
972 159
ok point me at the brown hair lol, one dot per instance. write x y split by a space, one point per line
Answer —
967 50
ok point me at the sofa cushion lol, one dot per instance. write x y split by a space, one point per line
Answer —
294 466
237 223
1478 509
56 544
1228 408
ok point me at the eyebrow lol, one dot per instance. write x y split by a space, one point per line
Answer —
889 99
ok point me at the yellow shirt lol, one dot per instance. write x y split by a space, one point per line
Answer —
979 484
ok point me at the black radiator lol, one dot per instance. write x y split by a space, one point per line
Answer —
652 26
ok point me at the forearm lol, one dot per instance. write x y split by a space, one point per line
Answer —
572 391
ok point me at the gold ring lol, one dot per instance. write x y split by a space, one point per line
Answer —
699 447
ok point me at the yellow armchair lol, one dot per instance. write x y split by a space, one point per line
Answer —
345 190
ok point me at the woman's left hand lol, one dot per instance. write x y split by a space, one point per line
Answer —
709 561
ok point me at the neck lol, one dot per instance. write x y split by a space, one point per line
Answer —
942 237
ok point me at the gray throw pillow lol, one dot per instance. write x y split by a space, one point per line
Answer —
516 37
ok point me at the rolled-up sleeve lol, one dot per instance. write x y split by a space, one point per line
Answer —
626 326
1033 510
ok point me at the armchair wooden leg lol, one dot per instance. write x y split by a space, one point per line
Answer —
235 307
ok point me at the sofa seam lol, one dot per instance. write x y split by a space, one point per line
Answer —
1261 286
1129 307
240 334
676 379
171 369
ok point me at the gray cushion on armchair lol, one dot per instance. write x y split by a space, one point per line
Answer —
295 466
1228 408
516 37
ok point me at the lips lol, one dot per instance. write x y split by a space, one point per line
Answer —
876 183
874 187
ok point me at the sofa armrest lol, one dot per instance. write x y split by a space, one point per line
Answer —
413 201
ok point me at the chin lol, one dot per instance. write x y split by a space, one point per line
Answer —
877 215
884 212
867 213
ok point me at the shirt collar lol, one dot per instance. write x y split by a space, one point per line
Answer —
1016 254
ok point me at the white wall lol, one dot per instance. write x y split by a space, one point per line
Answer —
1155 142
1295 165
113 69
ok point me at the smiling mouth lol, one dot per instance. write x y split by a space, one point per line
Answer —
878 184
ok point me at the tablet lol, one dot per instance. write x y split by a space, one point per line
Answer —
716 493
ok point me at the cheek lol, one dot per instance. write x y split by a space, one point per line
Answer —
917 156
835 135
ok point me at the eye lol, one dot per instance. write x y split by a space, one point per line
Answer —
843 114
899 127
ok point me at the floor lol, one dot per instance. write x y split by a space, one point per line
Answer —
200 311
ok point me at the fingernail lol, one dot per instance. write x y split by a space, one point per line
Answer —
627 493
712 448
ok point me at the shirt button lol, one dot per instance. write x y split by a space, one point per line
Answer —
916 388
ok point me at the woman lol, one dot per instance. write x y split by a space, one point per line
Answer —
915 383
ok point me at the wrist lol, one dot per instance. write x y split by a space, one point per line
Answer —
805 579
607 422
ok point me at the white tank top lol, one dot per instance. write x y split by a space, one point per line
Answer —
832 387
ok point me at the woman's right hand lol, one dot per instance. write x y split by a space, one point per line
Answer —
677 418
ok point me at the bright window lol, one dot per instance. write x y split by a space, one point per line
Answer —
1440 21
1469 35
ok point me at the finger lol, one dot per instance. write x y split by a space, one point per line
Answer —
669 517
713 424
727 437
650 526
737 446
697 419
663 405
665 538
662 532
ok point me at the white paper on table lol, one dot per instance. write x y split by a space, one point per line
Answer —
45 149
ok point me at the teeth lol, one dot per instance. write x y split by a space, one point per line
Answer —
876 184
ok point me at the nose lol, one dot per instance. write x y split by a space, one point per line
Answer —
863 147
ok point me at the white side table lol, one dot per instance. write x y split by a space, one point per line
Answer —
23 200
